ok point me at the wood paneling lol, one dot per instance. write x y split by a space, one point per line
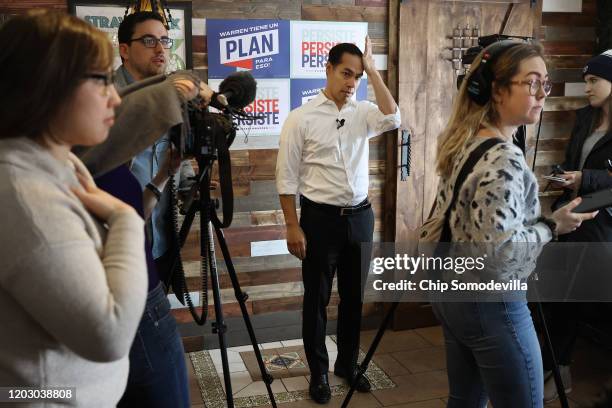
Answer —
344 13
21 6
251 9
568 20
568 47
569 40
392 140
564 103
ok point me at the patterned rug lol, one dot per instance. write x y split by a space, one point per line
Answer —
288 362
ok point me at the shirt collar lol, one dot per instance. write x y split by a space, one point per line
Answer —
321 99
127 77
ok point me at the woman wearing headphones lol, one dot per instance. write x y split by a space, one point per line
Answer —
586 171
492 349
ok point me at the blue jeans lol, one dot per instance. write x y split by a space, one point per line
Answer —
158 375
492 352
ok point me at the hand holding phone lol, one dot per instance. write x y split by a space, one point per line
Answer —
554 178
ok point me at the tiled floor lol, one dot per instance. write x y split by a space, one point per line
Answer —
415 361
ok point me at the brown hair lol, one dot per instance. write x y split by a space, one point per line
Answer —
599 114
44 57
467 116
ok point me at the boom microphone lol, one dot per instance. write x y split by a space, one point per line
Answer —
237 91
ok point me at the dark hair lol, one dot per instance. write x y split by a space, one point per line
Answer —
338 50
45 55
127 26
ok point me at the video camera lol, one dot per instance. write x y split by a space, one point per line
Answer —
207 130
209 135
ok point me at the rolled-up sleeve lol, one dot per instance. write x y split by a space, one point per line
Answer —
380 123
289 156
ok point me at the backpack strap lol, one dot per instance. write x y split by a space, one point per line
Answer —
467 168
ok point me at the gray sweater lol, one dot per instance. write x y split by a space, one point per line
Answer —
497 209
71 292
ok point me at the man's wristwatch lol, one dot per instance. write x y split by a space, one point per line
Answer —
153 188
550 223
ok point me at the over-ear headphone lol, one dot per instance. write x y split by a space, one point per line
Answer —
481 80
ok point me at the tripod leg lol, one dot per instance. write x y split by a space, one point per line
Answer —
241 297
361 369
549 348
219 325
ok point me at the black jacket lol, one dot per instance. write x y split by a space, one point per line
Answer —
595 177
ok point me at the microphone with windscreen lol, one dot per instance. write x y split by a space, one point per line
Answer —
235 91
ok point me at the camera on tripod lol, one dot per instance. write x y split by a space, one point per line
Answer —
209 135
207 138
209 131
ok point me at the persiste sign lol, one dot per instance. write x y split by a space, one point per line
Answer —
272 105
312 40
260 46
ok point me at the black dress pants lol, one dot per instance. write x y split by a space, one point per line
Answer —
333 243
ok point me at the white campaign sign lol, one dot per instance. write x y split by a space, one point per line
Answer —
312 40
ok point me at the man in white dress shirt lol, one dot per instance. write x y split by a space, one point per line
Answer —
323 157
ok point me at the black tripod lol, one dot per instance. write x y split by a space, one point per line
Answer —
208 219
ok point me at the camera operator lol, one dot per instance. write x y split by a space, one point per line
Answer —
72 273
585 171
144 48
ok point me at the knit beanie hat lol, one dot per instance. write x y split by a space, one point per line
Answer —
600 66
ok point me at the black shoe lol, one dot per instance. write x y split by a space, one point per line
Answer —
319 389
363 385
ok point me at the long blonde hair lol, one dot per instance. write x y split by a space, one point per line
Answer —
467 116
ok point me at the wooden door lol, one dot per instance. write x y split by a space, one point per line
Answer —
426 87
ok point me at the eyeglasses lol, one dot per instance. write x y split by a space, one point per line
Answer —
107 79
535 85
150 41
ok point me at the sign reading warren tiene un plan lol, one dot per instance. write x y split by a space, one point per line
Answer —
259 46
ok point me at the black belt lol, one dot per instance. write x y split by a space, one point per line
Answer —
335 210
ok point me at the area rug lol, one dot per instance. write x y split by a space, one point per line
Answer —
289 362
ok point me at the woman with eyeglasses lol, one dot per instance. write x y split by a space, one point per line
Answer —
492 350
585 171
73 277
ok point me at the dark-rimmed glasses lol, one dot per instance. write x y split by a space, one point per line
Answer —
107 79
150 41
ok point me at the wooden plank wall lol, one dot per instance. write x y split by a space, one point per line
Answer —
273 281
569 41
